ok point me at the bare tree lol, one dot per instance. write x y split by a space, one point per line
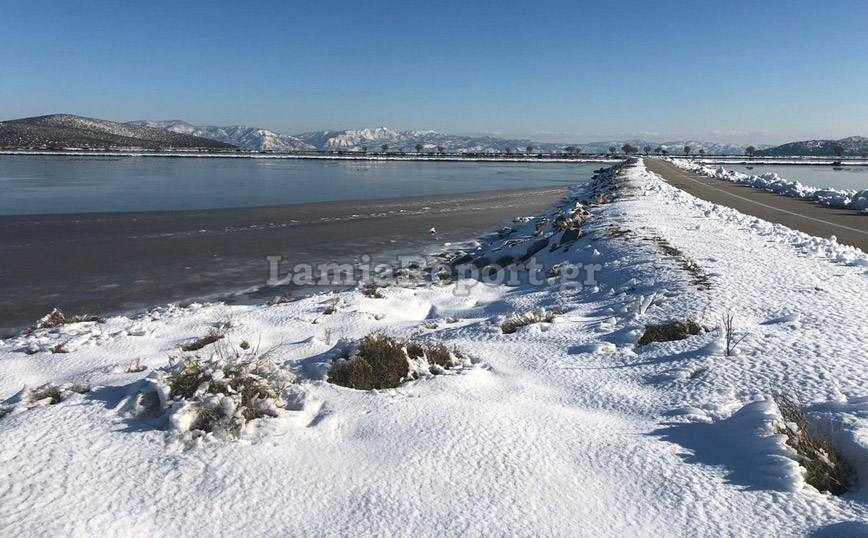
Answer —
419 148
687 150
647 148
750 150
529 149
508 150
839 151
612 149
702 151
385 148
658 150
364 149
440 149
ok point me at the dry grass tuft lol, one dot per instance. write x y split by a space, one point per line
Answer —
56 394
57 318
136 367
669 332
333 306
212 336
372 290
825 469
514 321
280 299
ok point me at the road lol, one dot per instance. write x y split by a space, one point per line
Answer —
849 226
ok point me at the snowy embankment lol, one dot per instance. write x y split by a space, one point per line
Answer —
563 427
846 199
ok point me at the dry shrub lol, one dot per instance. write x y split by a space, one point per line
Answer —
825 469
333 305
57 318
136 367
514 321
372 290
381 362
668 332
213 336
56 394
283 298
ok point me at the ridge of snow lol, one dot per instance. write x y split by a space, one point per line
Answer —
842 198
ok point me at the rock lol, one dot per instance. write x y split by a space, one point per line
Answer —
533 249
571 235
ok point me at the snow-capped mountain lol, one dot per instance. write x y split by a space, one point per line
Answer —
67 130
252 138
374 138
854 145
257 139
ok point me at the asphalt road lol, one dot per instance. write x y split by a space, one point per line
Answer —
849 226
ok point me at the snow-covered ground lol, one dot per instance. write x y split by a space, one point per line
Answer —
848 199
559 429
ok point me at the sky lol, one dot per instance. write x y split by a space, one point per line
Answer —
726 71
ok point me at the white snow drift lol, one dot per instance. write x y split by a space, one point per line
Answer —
844 198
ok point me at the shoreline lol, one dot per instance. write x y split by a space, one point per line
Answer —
112 263
324 156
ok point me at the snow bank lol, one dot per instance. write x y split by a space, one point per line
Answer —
847 199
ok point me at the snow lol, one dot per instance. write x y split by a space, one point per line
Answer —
847 199
563 428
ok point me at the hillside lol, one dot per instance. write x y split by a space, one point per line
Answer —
68 131
250 138
855 146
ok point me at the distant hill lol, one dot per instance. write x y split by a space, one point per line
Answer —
68 131
251 138
853 146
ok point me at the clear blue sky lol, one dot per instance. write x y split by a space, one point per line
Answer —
742 71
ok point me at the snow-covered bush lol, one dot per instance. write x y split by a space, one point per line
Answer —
381 362
514 321
220 395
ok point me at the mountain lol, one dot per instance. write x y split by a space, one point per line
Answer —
252 138
68 131
854 145
374 138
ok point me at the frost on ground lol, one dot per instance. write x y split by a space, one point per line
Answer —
560 426
843 198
